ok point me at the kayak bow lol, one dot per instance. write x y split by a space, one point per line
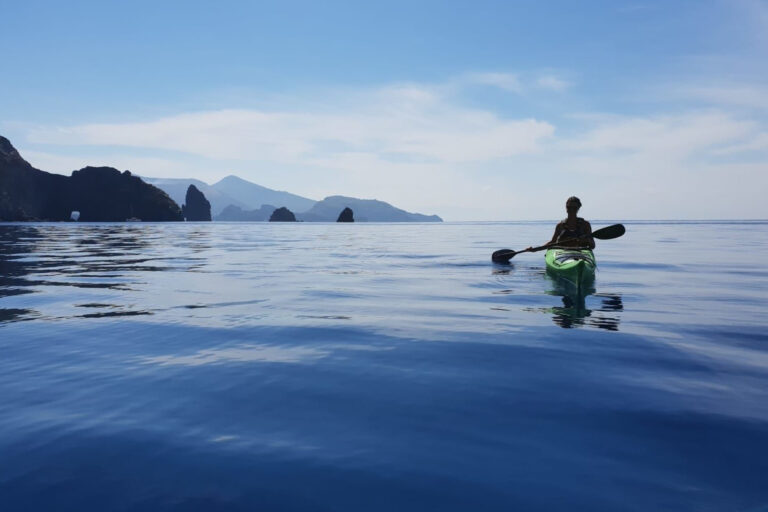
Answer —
575 266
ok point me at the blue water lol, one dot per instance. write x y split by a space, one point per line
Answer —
380 367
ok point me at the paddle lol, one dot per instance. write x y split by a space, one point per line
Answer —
606 233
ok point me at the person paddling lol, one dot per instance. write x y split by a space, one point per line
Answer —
572 231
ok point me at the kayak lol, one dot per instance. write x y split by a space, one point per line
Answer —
575 266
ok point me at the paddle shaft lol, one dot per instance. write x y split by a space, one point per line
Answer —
606 233
552 244
508 254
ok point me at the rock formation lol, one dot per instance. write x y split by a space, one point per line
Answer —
282 214
176 188
251 199
98 193
346 215
196 207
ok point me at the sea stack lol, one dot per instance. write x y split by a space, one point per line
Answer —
196 207
346 215
282 214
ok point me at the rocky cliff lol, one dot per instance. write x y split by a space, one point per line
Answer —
98 193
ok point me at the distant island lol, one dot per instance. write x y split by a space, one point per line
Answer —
236 199
232 191
282 214
105 194
365 210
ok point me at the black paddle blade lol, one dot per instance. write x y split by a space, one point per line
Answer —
609 232
502 255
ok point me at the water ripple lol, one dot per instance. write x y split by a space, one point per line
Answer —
228 366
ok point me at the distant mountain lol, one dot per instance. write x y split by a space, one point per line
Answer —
251 202
366 210
101 194
106 194
253 196
232 190
177 189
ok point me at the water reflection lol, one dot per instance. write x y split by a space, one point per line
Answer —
8 315
285 374
38 259
575 312
15 242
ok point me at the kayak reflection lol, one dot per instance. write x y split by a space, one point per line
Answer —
575 311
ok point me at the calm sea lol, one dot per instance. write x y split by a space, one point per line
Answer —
380 367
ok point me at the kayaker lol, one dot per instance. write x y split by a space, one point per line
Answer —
572 227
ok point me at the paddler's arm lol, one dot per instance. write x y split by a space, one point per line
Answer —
589 239
558 230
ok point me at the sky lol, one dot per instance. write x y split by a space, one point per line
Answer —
472 110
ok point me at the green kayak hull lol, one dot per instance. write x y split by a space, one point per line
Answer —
574 266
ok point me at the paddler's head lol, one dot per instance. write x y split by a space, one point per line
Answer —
572 204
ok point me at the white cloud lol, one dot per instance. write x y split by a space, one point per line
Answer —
553 83
405 122
673 136
757 143
408 144
420 148
667 166
738 95
65 164
512 82
505 81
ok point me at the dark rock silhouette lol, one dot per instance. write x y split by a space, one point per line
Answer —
98 193
19 183
196 206
176 188
282 214
234 213
346 215
104 194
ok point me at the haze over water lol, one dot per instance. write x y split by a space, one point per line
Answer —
218 366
